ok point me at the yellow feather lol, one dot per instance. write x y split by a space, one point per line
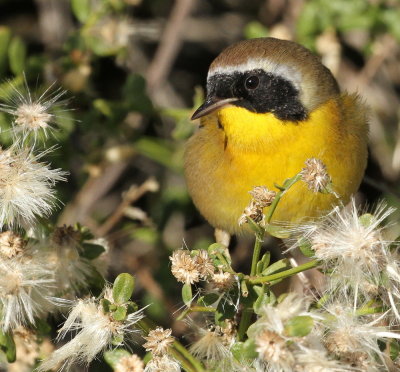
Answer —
235 150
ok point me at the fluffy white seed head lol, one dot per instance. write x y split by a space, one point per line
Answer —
26 186
24 287
354 338
311 360
96 331
352 245
213 345
32 115
162 363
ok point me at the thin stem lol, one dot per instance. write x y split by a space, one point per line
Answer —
274 204
256 254
183 362
198 367
196 309
244 323
286 273
245 320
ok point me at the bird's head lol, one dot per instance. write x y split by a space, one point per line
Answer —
268 76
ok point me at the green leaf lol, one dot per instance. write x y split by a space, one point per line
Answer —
96 282
394 349
7 345
158 150
131 307
92 251
112 357
43 328
366 220
277 231
85 232
265 297
123 288
106 304
5 37
81 9
305 247
187 295
118 340
259 267
255 29
224 311
119 314
390 18
299 326
135 96
246 350
276 267
265 259
103 106
17 55
208 299
216 248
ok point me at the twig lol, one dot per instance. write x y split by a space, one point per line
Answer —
169 45
133 194
94 189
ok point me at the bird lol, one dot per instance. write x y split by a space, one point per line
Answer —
271 105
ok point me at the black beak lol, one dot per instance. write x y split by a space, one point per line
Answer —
210 105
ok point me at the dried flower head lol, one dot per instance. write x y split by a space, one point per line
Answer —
26 186
66 236
204 263
315 175
262 196
162 363
184 267
223 280
159 340
11 244
131 363
97 330
33 114
253 211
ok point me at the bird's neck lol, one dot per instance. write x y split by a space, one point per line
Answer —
247 131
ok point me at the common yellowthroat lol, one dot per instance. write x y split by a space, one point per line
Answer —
270 106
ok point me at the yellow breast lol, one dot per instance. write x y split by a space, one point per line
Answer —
235 150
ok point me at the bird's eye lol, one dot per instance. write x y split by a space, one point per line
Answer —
252 82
